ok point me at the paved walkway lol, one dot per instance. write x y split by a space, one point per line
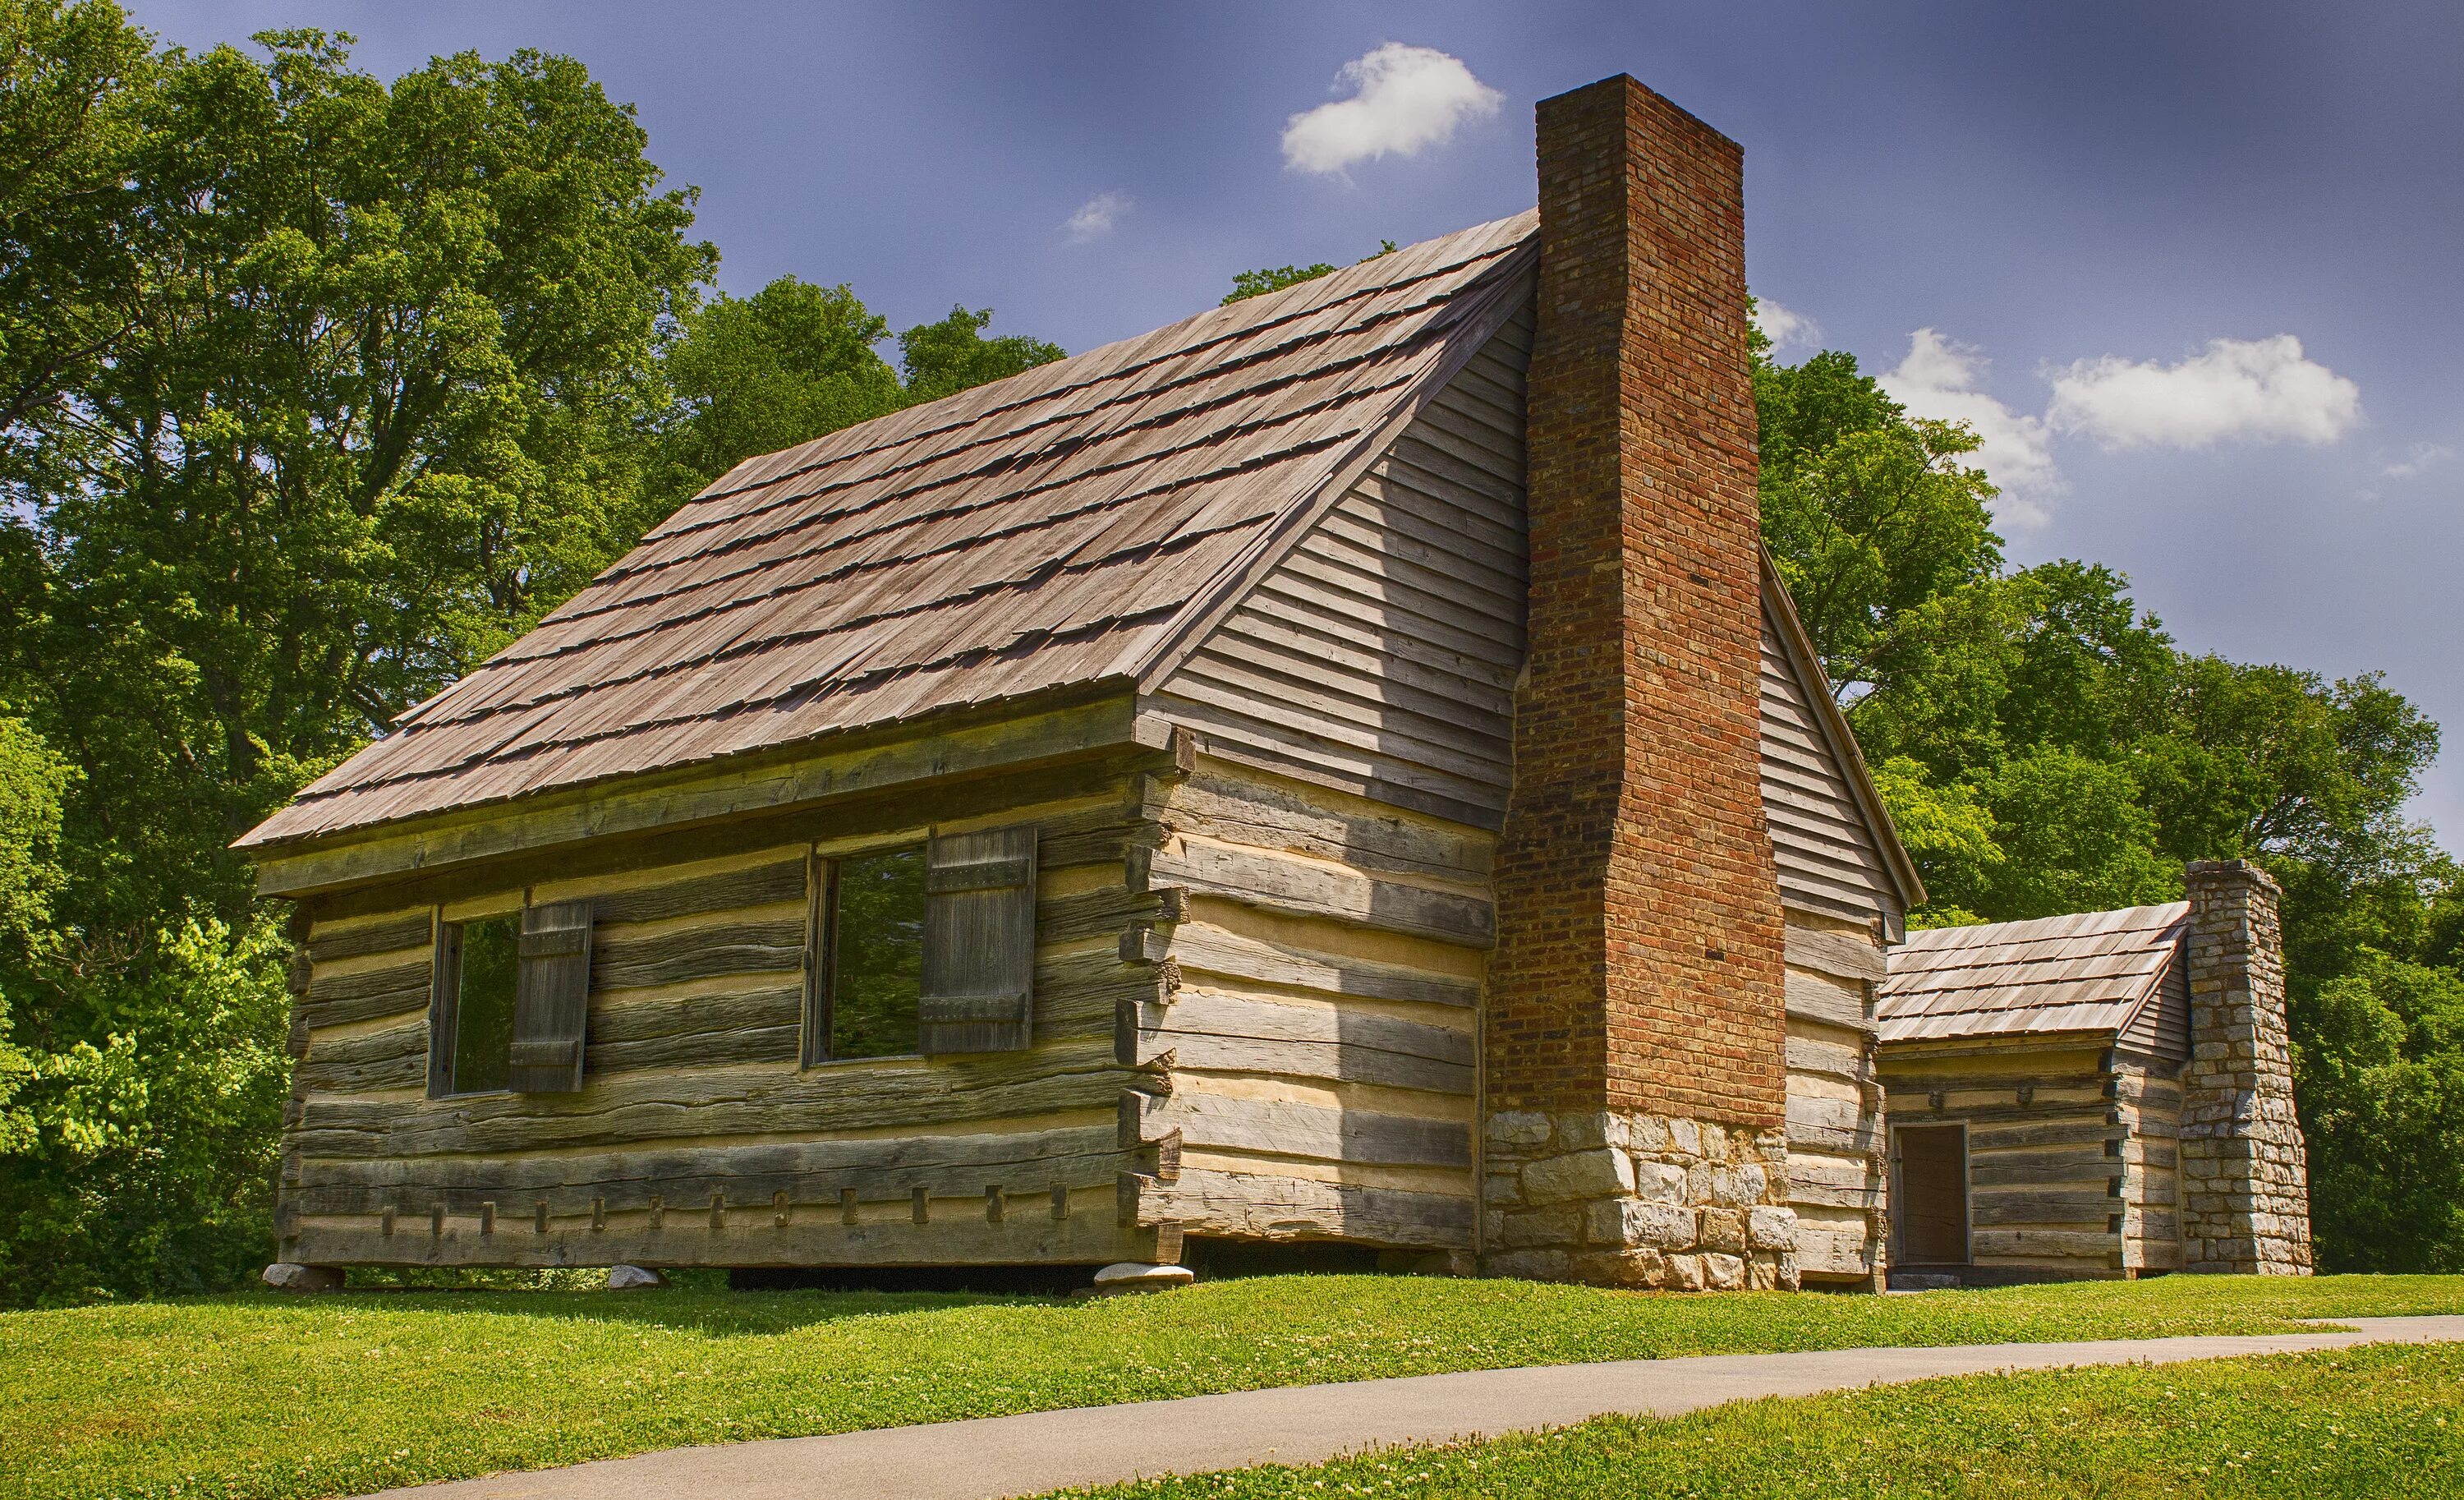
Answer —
1025 1455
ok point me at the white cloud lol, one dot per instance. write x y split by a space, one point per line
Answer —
2416 458
1096 216
1939 379
2261 389
1784 326
1405 99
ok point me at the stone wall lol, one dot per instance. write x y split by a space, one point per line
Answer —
1637 982
2245 1188
1637 1201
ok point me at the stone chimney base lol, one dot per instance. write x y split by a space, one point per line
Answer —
2245 1199
1621 1200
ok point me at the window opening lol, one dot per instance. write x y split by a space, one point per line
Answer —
873 914
483 1011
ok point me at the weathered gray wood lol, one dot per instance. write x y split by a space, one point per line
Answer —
1839 954
1284 1208
1222 802
1814 997
1101 913
1205 1051
319 1015
337 993
713 1048
2010 1207
1016 1149
980 931
1262 879
1828 1059
729 1174
411 930
1292 1129
551 998
762 885
643 1108
1002 740
2091 1247
363 1073
653 1016
1213 950
712 950
2037 1132
2085 1169
952 1238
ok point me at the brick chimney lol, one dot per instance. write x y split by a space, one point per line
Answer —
2245 1173
1634 1066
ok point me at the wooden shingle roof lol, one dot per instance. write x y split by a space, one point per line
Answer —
1064 526
2091 971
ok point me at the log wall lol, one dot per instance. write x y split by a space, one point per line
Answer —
2147 1098
696 1137
1316 1058
1835 1100
2071 1155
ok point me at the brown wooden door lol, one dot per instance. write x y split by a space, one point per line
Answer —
1931 1192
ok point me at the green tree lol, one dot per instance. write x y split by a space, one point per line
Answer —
75 275
384 399
375 421
1274 279
941 359
756 374
2045 747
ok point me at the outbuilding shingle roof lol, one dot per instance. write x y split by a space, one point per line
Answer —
1055 528
2091 971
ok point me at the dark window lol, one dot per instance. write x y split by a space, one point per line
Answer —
483 1007
875 921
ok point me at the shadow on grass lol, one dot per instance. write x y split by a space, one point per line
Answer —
715 1313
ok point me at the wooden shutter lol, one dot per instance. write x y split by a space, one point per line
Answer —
551 997
444 992
979 941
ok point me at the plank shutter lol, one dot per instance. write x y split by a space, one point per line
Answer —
551 997
444 996
979 941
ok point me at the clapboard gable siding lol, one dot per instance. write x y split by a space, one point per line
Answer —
1829 854
1379 654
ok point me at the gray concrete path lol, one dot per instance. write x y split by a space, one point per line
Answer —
1025 1455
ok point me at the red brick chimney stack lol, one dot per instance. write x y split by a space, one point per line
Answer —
1635 1044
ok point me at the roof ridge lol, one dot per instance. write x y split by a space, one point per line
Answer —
953 401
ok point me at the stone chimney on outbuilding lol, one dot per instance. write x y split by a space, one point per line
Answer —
2245 1175
1634 1052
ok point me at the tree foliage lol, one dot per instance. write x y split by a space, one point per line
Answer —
2045 747
1246 284
314 389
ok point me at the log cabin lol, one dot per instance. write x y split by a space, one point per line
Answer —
2105 1094
1338 770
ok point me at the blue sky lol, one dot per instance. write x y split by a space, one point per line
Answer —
2078 201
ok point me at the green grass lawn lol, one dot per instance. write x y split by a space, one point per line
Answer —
265 1396
2368 1422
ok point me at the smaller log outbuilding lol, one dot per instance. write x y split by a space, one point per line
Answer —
2100 1094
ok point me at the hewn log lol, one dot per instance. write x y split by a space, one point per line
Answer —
648 1107
1285 1208
1840 953
761 885
1322 889
1198 946
708 951
411 930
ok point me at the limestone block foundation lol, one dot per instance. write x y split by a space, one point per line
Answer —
1621 1200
